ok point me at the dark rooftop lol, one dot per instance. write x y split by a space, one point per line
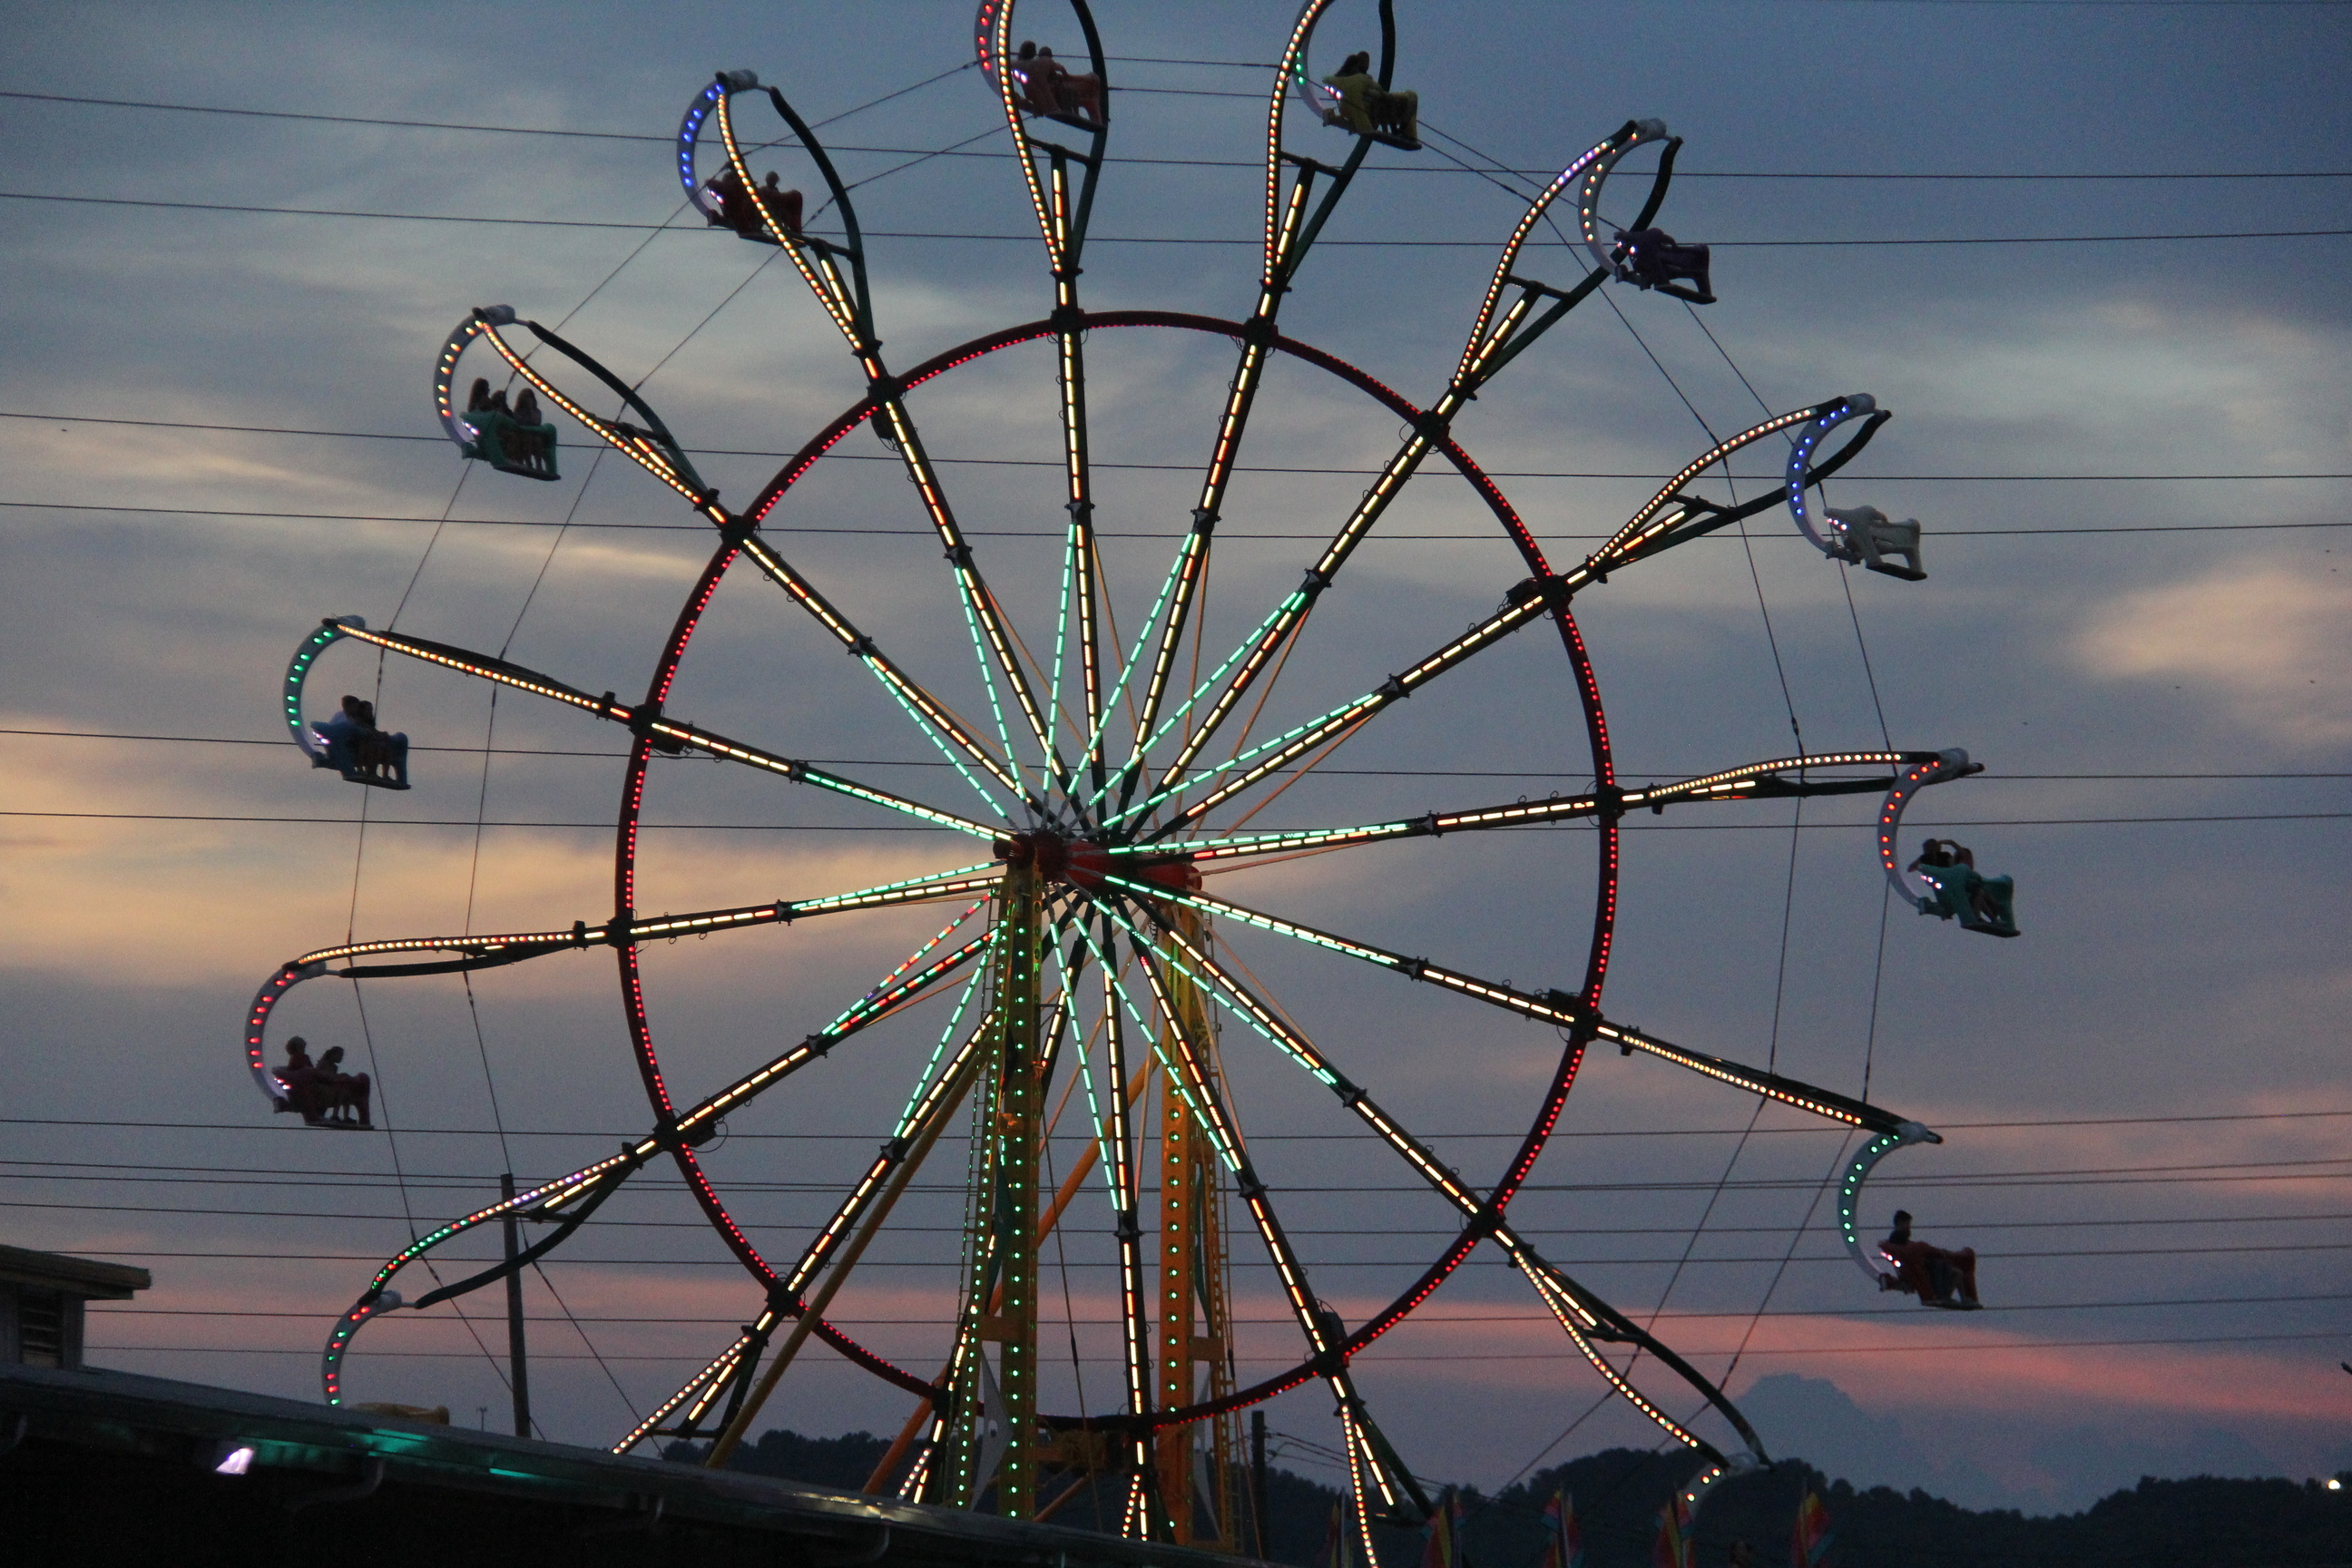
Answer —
114 1467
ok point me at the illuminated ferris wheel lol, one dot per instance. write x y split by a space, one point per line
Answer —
1081 994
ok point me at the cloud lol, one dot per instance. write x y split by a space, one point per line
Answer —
2270 642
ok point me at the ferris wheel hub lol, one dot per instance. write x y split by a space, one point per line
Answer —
1083 863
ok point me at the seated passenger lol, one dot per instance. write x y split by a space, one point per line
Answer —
1654 259
737 210
479 398
1033 83
359 750
334 1091
342 733
1978 901
1051 87
1369 109
783 205
1938 1277
530 431
301 1078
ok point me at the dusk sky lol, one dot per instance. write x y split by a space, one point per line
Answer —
2091 256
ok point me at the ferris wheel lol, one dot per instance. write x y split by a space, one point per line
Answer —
1074 957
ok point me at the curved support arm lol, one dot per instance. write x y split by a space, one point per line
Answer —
1493 344
654 450
1693 1496
847 299
1062 221
1586 1318
330 631
1637 133
1938 769
1664 509
1797 475
1857 1172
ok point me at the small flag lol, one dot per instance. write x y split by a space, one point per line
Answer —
1673 1548
1810 1543
1441 1536
1335 1540
1563 1537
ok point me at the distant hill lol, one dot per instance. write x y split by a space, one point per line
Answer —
2200 1523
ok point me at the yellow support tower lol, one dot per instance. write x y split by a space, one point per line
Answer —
1195 1322
991 1430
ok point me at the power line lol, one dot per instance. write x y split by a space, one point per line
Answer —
644 138
1326 773
1055 464
1382 1357
1425 1319
1811 828
788 530
861 1137
2064 1253
502 220
184 1172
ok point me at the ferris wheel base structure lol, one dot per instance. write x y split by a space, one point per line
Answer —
1092 801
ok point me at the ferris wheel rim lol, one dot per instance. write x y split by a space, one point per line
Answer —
797 467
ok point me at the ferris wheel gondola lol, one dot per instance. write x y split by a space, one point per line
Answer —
1037 83
1355 97
348 742
1863 535
513 440
1943 881
1647 257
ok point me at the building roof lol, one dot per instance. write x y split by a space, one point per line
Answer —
84 1276
302 1452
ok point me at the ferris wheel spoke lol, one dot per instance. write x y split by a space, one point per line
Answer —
666 735
1557 1007
734 1366
700 1123
932 1103
1325 1334
1492 344
846 299
1674 517
1753 780
1584 1315
993 644
1530 601
1119 1159
952 734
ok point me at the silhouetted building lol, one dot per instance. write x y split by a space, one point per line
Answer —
41 1297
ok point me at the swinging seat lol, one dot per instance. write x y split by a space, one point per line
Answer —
1653 258
340 752
1867 536
1956 890
511 446
1038 92
1391 118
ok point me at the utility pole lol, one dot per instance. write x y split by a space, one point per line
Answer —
517 1366
1258 1478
